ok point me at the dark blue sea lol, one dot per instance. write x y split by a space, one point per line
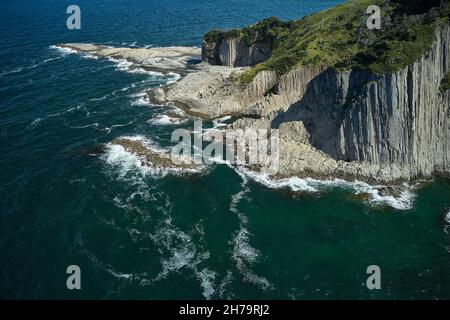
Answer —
146 234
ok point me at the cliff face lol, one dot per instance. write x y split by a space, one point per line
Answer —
399 119
234 53
378 125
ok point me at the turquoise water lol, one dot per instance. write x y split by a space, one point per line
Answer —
136 233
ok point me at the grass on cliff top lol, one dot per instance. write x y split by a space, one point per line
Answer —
268 32
339 38
445 83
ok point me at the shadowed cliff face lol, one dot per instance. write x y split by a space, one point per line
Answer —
245 47
400 118
234 53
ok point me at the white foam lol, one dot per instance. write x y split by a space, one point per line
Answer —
96 125
63 50
99 99
207 278
17 70
245 255
125 65
141 102
181 257
38 120
178 111
145 71
139 94
109 129
404 201
116 155
236 199
20 69
217 123
294 183
173 77
183 253
223 286
129 44
107 267
119 275
128 163
243 252
92 125
164 120
124 89
35 122
90 56
447 217
141 99
121 64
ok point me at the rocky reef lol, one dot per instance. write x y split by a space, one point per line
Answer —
168 59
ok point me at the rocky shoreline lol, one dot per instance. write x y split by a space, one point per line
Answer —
379 128
354 125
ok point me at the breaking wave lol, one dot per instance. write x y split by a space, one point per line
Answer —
66 51
126 162
164 120
404 200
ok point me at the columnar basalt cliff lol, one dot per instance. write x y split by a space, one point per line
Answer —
349 102
234 52
397 119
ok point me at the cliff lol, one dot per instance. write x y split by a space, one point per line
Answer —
399 119
349 102
241 48
234 53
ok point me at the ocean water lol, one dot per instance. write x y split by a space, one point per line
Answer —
142 233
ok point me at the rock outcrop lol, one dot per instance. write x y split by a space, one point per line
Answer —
234 52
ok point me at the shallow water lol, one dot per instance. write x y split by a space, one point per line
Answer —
136 232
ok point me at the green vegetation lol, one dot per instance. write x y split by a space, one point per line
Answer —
267 32
445 83
403 44
339 38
